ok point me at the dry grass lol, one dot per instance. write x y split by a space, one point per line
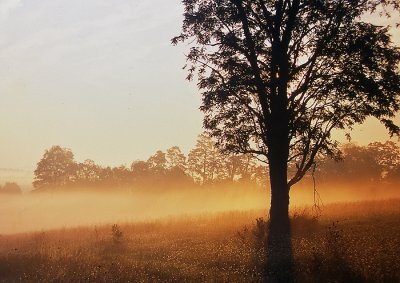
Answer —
355 242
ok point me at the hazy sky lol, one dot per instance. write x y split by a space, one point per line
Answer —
99 77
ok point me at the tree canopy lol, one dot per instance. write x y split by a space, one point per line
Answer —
373 164
205 165
297 69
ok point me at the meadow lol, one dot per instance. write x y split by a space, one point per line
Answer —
347 242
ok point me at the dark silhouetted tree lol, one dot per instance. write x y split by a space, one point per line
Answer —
277 76
56 169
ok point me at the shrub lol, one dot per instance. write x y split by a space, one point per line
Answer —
116 234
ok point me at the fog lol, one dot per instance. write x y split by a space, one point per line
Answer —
43 211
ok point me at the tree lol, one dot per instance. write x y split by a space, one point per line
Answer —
373 163
239 167
158 162
88 172
387 156
10 188
204 160
56 169
120 176
357 164
175 158
177 168
140 170
277 76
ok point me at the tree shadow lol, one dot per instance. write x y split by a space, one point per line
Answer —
274 252
279 265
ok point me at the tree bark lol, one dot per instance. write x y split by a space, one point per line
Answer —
279 246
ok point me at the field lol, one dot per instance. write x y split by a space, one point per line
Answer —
349 242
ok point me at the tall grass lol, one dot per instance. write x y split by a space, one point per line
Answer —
361 245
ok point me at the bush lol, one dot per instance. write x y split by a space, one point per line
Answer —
116 234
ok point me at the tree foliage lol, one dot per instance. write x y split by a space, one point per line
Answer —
175 158
291 71
205 165
57 168
375 163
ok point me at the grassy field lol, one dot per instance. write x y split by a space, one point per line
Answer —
349 242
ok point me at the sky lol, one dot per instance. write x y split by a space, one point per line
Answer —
99 77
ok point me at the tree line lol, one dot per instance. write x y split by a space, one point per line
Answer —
376 162
207 166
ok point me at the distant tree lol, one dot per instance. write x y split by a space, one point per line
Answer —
142 175
233 164
88 173
371 163
140 168
177 178
120 176
205 160
158 162
393 176
357 164
240 167
278 76
10 188
387 155
175 158
56 169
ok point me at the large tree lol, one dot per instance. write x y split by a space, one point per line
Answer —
277 76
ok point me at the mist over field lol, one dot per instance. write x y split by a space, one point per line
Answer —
44 211
53 210
78 237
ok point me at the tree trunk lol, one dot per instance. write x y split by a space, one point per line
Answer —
279 245
279 266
